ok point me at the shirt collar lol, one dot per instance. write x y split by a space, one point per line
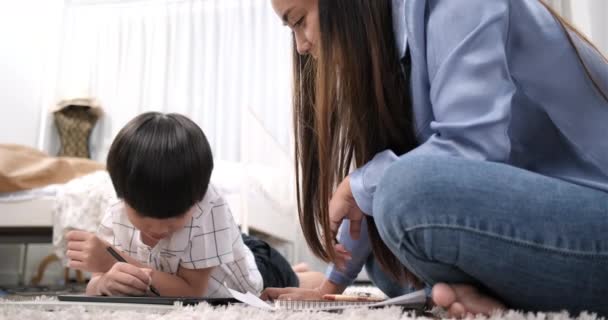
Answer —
399 26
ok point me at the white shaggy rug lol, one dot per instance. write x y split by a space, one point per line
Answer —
48 309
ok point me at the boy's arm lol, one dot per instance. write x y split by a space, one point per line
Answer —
87 250
122 279
186 283
93 285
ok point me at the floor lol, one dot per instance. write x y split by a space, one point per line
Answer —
18 293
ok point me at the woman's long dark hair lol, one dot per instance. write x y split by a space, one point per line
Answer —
349 104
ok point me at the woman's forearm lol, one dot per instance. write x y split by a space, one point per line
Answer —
329 287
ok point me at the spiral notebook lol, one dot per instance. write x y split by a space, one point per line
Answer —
415 300
185 301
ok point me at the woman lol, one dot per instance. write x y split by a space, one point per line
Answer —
478 130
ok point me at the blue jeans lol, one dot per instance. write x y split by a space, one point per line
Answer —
383 281
535 243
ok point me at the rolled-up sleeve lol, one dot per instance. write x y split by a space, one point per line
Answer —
360 250
363 181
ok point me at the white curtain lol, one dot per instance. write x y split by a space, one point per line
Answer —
589 16
208 59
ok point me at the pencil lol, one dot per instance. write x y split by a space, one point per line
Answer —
340 297
119 258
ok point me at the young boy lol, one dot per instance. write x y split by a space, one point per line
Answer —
175 231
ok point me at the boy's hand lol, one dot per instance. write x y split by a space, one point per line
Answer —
124 279
87 252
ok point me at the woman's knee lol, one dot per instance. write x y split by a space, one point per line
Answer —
411 191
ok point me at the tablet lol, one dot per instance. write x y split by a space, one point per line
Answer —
186 301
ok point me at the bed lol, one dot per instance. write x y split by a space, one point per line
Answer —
26 217
27 210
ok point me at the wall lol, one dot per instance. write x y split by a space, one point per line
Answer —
589 17
599 27
27 34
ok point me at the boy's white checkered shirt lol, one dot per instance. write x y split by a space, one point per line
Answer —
210 239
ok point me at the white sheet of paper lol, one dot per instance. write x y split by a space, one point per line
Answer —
410 298
250 299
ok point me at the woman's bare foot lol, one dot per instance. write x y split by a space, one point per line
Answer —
461 300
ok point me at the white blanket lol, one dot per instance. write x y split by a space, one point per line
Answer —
80 204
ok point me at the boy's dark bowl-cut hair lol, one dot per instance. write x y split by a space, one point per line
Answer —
160 164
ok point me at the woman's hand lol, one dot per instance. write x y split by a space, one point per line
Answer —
124 279
343 206
326 287
87 252
342 256
291 294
